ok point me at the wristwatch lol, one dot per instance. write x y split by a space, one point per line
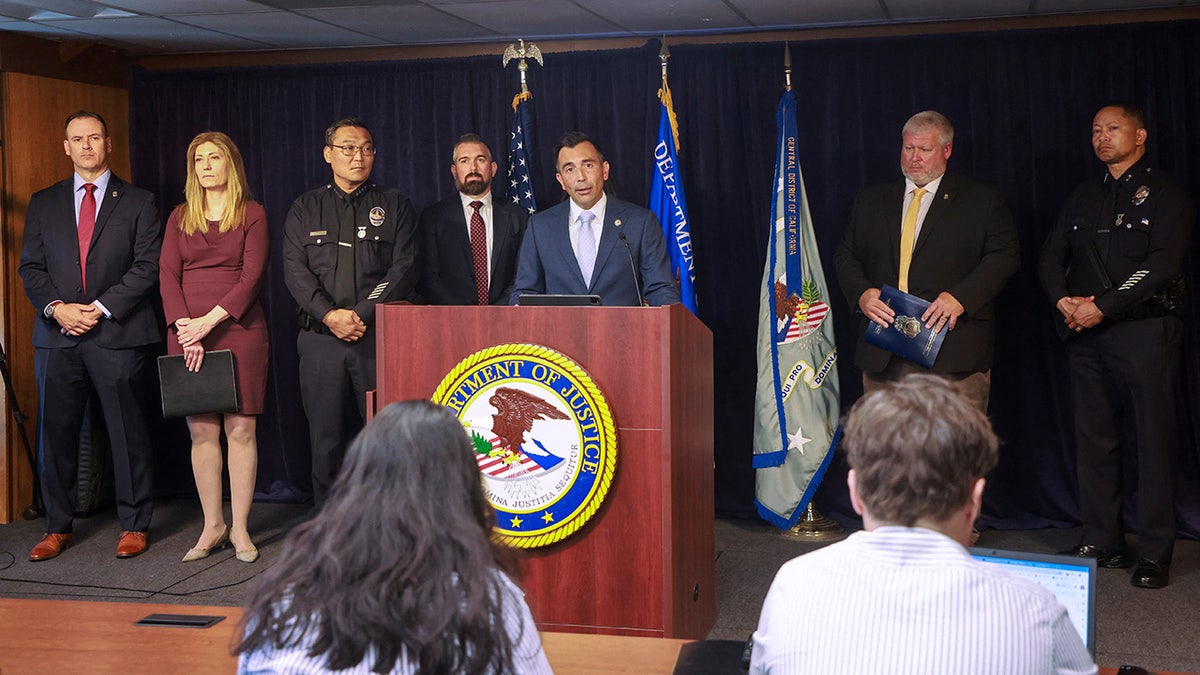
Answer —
50 309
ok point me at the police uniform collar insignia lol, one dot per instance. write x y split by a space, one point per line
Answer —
1140 196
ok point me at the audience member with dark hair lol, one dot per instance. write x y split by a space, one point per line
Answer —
399 571
904 595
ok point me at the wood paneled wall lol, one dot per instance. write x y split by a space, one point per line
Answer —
33 109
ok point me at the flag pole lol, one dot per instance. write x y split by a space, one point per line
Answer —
812 526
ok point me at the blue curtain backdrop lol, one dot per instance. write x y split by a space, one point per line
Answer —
1021 102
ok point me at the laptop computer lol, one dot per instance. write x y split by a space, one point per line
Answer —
1071 579
556 300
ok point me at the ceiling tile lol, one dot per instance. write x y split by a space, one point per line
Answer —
1071 6
510 18
790 13
657 16
281 30
153 35
402 25
173 7
950 10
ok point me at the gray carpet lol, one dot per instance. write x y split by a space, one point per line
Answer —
1153 629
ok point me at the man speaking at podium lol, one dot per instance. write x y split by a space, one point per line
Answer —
593 244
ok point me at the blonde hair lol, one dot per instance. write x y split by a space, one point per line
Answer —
234 214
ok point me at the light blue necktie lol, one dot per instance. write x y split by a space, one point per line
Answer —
586 246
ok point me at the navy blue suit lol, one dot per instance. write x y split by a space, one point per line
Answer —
547 263
447 266
122 273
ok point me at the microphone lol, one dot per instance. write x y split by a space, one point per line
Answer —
633 268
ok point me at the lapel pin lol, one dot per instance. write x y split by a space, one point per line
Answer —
617 223
114 193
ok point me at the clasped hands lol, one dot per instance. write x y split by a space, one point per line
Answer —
942 312
191 331
75 319
345 324
1079 312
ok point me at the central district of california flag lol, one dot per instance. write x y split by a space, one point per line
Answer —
796 402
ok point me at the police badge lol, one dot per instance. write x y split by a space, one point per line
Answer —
1140 196
376 216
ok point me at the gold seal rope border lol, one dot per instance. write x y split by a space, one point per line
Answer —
604 419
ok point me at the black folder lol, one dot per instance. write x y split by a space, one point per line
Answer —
213 389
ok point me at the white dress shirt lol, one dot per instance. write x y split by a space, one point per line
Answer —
910 601
486 213
597 225
931 189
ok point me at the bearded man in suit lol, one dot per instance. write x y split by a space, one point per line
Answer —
90 266
594 243
469 240
940 236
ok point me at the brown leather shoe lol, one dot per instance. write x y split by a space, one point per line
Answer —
51 545
131 544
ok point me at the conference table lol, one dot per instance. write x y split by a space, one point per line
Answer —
83 636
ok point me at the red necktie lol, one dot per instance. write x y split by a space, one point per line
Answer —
479 254
87 225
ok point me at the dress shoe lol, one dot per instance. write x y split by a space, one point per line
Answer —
197 553
131 544
51 545
1151 574
1105 557
247 556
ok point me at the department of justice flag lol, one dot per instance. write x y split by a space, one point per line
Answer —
520 153
668 203
796 401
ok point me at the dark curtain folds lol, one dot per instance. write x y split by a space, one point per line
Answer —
1021 102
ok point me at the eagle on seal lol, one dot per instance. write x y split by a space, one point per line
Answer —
516 412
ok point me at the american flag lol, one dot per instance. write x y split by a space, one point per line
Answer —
798 328
520 152
496 468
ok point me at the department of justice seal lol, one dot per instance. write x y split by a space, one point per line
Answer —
543 435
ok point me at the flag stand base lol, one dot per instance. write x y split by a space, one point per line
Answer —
813 526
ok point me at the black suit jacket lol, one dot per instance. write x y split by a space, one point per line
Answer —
122 264
967 247
448 269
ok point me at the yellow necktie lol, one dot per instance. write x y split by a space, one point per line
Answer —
908 233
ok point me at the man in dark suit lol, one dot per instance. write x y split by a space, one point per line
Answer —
593 243
90 264
937 235
469 240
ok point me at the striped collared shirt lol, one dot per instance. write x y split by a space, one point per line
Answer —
910 601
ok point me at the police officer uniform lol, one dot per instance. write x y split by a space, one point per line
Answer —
1134 231
343 251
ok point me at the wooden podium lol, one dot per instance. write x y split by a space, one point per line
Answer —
643 564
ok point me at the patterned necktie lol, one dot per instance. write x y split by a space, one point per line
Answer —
87 226
907 235
479 254
586 246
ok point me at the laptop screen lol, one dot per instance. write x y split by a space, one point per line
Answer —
1071 579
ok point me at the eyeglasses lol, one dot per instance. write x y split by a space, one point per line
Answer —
352 150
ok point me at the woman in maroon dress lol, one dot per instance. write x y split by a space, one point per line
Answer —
214 258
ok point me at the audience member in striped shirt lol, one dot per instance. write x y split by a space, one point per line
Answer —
904 595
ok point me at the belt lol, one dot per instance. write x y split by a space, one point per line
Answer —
1146 310
312 324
